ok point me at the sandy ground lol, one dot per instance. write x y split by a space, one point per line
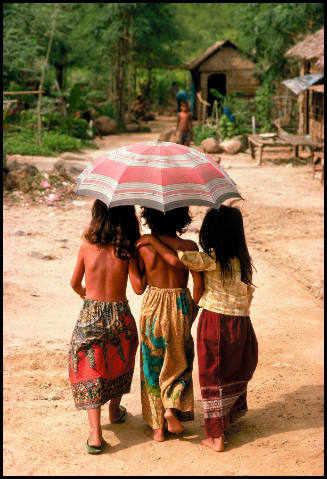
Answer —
282 434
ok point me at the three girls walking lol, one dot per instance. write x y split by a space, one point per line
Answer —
104 342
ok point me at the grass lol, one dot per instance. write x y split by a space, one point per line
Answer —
25 142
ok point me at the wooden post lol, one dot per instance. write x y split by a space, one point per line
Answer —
261 152
253 125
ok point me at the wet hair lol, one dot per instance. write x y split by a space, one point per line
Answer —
117 226
170 223
222 231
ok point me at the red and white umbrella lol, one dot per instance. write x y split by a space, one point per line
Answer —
159 175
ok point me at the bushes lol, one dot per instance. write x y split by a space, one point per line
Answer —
201 133
76 127
25 142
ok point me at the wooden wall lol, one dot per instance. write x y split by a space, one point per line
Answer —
237 69
311 107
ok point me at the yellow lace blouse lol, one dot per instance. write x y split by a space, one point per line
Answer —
231 296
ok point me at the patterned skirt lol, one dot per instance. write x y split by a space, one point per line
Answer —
102 353
167 354
227 355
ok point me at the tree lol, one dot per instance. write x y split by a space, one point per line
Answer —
267 30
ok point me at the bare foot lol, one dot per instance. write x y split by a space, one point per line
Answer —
95 437
159 435
174 424
116 414
215 443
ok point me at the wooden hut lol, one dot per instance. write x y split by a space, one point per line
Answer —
225 68
310 53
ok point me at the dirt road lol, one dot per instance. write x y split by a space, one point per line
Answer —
282 434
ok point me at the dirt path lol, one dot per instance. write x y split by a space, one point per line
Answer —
282 434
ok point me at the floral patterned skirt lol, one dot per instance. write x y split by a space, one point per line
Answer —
167 354
102 353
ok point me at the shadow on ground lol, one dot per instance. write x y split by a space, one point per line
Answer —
299 410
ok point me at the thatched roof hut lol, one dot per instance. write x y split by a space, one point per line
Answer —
310 49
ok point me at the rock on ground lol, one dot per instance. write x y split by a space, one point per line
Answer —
105 125
211 145
231 146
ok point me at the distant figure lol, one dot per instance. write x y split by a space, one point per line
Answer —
138 108
184 125
228 112
181 96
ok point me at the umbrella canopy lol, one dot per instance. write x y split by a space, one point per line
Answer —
159 175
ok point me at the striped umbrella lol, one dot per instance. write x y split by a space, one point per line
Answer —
159 175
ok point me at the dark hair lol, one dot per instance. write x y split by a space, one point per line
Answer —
118 226
222 231
168 223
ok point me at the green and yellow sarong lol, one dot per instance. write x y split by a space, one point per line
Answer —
167 353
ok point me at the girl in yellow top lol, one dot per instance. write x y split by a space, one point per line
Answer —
226 343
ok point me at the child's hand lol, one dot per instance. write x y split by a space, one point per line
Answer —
83 292
145 240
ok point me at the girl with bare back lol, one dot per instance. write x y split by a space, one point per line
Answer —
104 341
167 349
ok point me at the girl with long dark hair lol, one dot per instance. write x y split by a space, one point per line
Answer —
104 341
226 343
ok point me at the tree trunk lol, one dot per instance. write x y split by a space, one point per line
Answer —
116 94
130 74
39 122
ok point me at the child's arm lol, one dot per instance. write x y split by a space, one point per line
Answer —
78 274
137 276
169 255
198 285
198 289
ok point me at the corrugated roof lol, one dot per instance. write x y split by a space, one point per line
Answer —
299 84
311 47
207 53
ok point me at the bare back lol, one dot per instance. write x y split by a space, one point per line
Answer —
105 274
158 272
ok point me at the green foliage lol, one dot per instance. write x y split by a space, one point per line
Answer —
227 128
202 24
267 30
76 127
263 102
106 109
53 142
201 133
241 109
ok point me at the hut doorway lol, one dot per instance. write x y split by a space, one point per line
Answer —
218 82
